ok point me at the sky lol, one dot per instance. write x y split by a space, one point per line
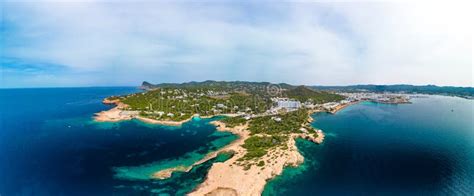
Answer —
112 43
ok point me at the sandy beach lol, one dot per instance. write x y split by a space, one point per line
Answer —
342 106
163 122
115 114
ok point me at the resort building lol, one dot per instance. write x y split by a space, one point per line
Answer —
285 103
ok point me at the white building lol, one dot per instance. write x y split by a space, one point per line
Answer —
277 119
288 104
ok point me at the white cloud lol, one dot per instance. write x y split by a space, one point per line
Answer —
415 43
301 43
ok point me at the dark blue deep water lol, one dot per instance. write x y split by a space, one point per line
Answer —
424 148
49 145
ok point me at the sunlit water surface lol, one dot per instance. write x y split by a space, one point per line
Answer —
423 148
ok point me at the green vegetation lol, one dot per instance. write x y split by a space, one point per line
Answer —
258 146
233 121
315 134
179 104
247 167
268 131
286 123
273 132
303 94
181 101
466 92
255 88
113 98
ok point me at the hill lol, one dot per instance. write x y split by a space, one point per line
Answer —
260 88
303 94
466 92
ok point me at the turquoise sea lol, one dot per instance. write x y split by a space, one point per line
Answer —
423 148
49 145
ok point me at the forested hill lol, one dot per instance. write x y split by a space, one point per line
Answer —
303 94
223 85
466 92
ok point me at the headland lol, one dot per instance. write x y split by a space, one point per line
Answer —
267 121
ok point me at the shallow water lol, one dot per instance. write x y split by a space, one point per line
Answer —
50 145
422 148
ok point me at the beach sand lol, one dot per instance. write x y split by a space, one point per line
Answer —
342 106
113 115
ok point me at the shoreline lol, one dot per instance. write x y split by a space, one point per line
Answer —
117 114
238 130
230 177
163 122
114 114
342 106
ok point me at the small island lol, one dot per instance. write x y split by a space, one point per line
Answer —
267 118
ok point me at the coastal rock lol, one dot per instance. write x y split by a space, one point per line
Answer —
232 178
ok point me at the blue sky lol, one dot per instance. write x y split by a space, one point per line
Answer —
105 43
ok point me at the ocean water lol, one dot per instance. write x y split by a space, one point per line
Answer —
49 145
423 148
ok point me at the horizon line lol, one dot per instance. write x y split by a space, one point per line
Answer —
312 85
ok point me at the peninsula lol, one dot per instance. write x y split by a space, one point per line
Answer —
267 118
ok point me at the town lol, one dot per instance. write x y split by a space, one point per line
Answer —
178 104
268 118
